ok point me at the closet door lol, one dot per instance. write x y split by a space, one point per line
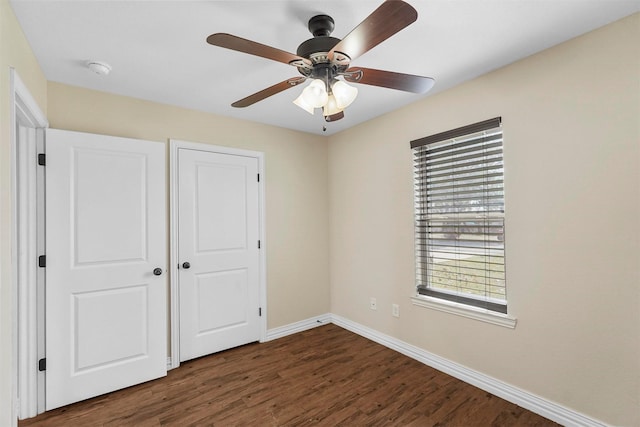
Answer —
218 232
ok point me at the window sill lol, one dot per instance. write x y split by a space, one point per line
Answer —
465 311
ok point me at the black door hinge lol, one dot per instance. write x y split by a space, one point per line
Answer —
42 364
258 177
260 311
258 244
42 261
42 159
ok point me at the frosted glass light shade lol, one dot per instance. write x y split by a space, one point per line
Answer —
344 94
315 94
331 107
299 101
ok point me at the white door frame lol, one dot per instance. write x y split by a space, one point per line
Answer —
174 146
26 239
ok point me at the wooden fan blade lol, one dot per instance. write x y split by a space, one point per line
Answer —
391 17
389 79
265 93
253 48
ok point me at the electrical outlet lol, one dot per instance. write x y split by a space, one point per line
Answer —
395 310
373 305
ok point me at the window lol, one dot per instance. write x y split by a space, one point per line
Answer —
459 216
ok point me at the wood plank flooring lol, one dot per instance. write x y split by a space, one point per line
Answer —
326 376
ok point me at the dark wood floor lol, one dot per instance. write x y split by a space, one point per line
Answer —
325 376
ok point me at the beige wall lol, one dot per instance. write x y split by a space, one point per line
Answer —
572 168
14 52
296 183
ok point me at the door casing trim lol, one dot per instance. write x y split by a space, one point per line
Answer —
174 146
26 189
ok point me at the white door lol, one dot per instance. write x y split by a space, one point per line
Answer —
218 232
105 234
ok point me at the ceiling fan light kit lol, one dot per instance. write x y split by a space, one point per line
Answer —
301 102
332 101
326 60
331 107
315 94
344 93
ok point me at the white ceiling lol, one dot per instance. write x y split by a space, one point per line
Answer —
158 51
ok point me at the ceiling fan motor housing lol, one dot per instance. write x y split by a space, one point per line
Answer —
316 45
321 27
317 49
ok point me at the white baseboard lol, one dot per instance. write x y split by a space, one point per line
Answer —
296 327
537 404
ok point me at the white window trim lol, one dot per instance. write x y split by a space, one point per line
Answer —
468 311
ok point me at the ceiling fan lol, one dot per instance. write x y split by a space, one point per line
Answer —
326 61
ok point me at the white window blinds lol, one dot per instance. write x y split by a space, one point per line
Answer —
459 215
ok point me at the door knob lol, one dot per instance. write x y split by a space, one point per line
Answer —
157 271
186 265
